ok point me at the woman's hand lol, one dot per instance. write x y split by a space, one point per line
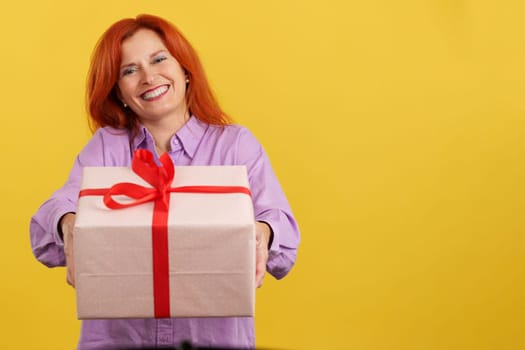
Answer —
262 237
67 223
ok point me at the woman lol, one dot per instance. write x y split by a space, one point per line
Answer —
147 89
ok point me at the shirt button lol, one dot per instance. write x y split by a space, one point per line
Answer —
164 339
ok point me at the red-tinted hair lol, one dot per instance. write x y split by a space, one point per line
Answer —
104 106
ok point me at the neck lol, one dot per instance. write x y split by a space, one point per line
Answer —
163 130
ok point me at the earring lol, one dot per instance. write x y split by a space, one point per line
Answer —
125 104
187 80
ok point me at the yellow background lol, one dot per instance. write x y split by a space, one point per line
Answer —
395 127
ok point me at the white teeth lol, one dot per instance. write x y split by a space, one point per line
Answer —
154 93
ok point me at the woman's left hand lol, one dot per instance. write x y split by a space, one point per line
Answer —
262 237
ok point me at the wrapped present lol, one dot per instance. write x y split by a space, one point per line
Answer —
158 241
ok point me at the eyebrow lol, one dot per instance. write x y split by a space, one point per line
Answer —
151 56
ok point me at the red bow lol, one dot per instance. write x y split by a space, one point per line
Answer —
160 177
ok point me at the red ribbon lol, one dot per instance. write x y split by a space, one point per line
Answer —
160 177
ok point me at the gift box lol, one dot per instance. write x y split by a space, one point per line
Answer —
149 246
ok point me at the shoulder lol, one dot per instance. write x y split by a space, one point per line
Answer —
235 133
107 138
106 147
109 133
242 142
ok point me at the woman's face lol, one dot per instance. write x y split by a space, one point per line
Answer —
151 81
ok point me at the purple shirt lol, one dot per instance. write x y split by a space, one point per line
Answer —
196 143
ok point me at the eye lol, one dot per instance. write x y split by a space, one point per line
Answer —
159 59
128 70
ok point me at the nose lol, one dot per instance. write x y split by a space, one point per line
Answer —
148 76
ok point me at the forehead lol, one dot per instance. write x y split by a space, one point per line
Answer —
143 42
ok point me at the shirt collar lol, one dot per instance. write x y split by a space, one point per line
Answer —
189 136
139 141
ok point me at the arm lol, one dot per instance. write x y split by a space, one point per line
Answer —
270 207
46 241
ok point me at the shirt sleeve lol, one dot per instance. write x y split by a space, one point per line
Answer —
46 243
270 205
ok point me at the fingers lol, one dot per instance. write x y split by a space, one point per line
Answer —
70 276
68 223
261 252
70 263
70 266
260 267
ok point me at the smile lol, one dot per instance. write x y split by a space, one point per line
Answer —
153 94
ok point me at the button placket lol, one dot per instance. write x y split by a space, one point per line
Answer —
164 332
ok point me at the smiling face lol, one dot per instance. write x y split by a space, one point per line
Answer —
151 81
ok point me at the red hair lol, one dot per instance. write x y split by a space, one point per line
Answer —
104 106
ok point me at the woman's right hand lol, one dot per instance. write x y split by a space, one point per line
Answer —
67 223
